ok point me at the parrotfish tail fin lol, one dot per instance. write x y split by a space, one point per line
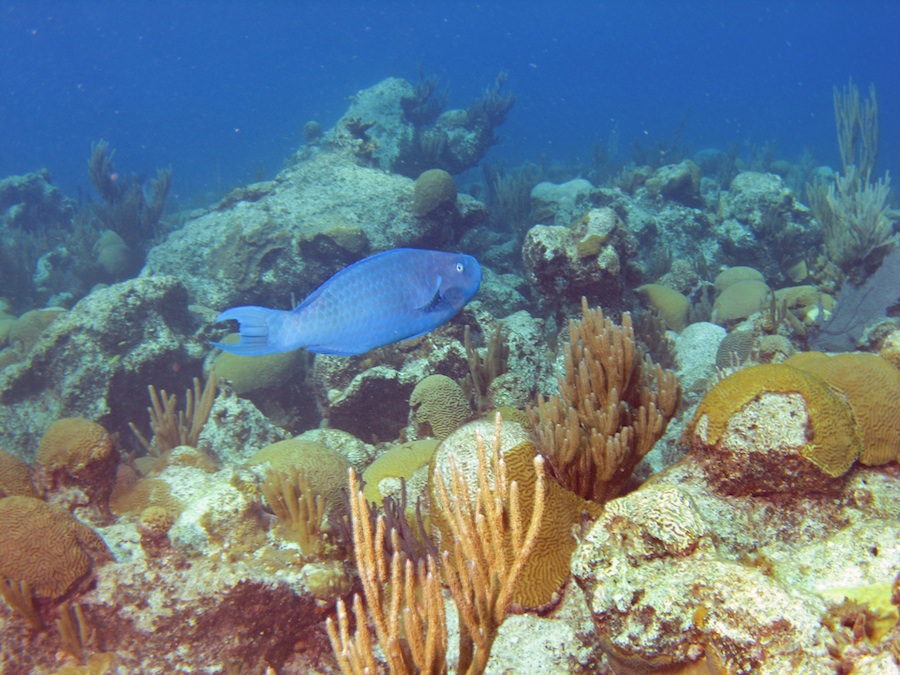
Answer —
254 331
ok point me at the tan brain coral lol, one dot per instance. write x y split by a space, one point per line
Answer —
79 453
439 405
871 386
15 477
73 443
774 429
46 546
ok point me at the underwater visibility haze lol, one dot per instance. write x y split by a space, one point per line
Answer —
567 337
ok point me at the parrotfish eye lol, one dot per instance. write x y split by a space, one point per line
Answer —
459 267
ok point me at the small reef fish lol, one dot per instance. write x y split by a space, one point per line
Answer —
393 295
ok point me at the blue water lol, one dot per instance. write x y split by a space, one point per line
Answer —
219 91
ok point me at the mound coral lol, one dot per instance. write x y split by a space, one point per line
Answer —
251 373
739 300
674 307
439 406
46 547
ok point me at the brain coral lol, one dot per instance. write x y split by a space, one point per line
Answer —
734 349
548 567
76 451
774 428
46 546
73 443
15 477
325 468
439 406
433 188
871 386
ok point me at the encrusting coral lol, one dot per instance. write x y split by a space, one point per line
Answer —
613 405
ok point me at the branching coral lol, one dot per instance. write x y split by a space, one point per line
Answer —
172 427
302 511
490 546
403 600
484 369
613 405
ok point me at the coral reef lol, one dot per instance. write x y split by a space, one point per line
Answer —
748 527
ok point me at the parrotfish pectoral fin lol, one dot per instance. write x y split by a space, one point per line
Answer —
433 298
254 331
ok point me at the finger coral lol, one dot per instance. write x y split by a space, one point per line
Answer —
45 546
547 569
612 407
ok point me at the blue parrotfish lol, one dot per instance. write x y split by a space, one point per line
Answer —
390 296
